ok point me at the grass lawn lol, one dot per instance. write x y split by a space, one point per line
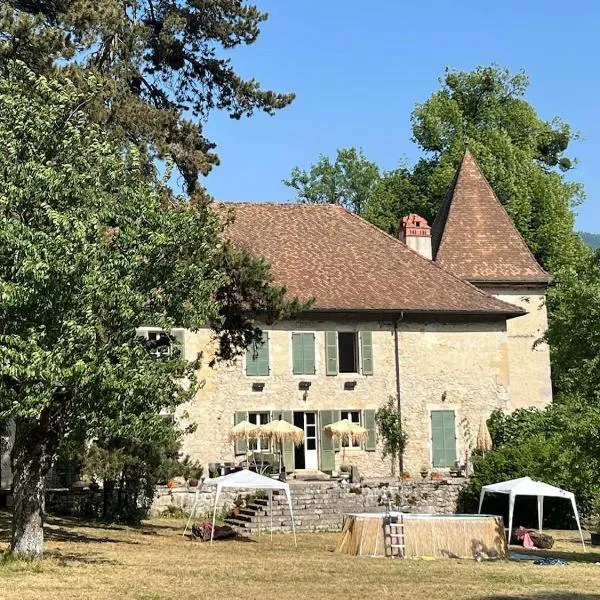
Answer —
156 563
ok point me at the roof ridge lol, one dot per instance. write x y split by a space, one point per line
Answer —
432 262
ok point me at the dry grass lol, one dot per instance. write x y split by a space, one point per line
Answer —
156 563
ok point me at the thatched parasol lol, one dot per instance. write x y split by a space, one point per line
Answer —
484 439
280 431
244 430
344 431
247 431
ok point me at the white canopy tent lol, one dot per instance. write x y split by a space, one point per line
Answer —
249 480
525 486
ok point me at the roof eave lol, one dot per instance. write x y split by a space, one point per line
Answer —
422 311
522 282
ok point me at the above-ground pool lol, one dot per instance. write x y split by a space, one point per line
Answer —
435 535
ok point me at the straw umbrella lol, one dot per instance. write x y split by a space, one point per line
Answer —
484 439
280 431
344 431
244 430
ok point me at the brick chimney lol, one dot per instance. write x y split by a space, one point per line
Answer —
416 234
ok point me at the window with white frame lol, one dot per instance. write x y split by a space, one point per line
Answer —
160 344
354 417
259 418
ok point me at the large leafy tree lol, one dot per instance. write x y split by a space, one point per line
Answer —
93 245
522 155
161 65
349 180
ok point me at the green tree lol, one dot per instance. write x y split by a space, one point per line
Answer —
348 181
393 436
523 156
93 245
161 66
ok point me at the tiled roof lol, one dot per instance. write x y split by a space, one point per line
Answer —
325 253
473 236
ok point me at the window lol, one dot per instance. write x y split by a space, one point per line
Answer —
257 358
259 418
303 353
348 352
443 438
160 344
354 417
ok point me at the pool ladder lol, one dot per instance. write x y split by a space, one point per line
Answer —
397 542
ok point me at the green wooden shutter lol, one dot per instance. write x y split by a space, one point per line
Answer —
366 352
331 352
257 358
303 353
326 417
263 356
240 445
369 425
251 362
178 336
443 438
297 354
309 353
288 447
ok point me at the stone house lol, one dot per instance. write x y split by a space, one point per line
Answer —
445 319
448 319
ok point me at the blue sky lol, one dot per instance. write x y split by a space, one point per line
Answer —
358 68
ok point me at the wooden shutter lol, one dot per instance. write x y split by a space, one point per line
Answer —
331 352
288 447
309 353
303 353
366 352
443 438
257 358
178 335
240 446
326 417
297 354
369 425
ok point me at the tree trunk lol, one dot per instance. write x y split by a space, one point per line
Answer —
31 457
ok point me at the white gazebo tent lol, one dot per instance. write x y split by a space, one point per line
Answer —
525 486
248 480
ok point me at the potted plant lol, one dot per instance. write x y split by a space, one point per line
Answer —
424 471
406 476
238 504
435 476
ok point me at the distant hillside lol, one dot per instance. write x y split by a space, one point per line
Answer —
591 239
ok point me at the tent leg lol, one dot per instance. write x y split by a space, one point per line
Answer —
576 513
192 514
212 531
481 501
271 512
540 502
511 509
292 516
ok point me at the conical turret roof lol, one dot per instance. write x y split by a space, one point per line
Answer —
475 239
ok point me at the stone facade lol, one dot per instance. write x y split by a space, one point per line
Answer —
459 365
529 356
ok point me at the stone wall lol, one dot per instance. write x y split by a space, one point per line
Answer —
529 357
321 505
443 365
